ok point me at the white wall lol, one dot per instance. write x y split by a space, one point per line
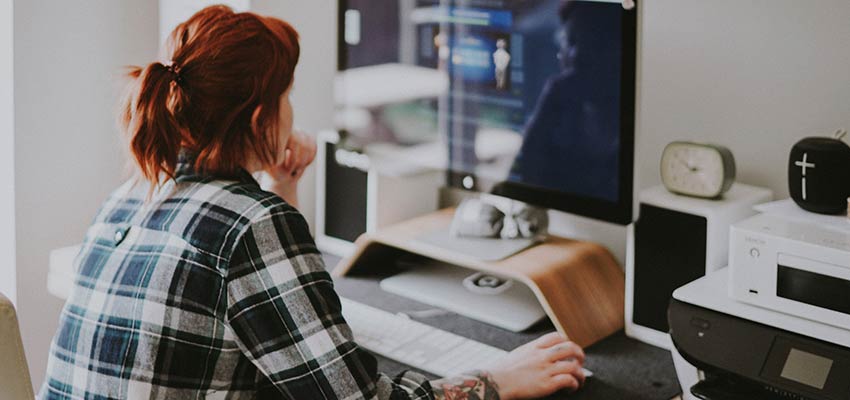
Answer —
753 75
174 12
7 160
68 152
312 96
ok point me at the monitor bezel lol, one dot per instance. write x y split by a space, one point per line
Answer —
619 212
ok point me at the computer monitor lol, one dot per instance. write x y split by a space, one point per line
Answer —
533 100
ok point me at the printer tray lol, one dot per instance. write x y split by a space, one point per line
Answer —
726 387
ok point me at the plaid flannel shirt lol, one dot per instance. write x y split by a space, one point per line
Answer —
210 289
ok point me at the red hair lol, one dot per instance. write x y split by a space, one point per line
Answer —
219 97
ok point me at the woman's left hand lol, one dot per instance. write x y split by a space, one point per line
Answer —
299 154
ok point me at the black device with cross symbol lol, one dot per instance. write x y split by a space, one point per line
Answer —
819 174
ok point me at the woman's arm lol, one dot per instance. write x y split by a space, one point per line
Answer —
299 153
286 317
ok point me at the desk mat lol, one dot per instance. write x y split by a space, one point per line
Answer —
623 368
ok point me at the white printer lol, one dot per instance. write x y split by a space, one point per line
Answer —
792 261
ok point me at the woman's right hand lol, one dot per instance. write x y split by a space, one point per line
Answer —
299 153
539 368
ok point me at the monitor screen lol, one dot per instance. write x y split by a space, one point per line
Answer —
529 99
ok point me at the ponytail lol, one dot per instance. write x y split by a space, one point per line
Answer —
150 121
220 100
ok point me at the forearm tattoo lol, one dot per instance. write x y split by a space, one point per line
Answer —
476 385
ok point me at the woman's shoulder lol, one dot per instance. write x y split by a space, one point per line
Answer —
238 198
271 223
232 206
210 214
252 203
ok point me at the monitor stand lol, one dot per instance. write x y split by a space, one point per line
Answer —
579 285
484 249
484 297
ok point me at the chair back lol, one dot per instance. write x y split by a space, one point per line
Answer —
15 383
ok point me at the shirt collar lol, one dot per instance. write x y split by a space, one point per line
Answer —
185 170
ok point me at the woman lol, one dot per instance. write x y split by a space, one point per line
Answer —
194 282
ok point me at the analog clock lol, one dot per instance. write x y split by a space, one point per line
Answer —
700 170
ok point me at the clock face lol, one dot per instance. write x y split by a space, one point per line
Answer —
696 169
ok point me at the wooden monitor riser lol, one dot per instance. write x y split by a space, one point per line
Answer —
579 284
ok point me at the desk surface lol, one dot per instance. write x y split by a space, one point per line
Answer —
623 368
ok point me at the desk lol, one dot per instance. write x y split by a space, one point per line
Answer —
624 368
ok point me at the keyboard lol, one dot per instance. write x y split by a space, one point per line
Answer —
416 344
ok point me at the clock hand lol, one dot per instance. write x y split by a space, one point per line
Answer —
688 165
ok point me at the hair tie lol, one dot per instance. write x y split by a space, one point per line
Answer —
174 69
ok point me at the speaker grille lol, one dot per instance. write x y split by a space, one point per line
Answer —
669 252
345 198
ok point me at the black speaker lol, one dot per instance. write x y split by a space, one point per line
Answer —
676 240
345 198
670 251
819 174
357 193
